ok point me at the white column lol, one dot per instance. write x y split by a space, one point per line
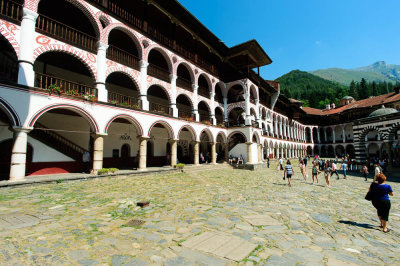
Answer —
142 152
172 105
26 75
284 130
98 146
226 109
247 108
174 148
276 128
258 118
195 103
333 135
249 153
18 153
280 130
311 136
318 136
143 85
102 92
213 153
212 113
344 134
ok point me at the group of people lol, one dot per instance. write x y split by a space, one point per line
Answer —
378 190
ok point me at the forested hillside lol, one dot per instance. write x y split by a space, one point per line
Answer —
317 92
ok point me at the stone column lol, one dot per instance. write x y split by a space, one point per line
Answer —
196 152
277 153
213 153
172 105
195 103
142 152
281 152
212 109
18 153
26 75
225 109
318 136
143 85
102 92
98 146
249 153
344 134
247 108
325 135
174 148
226 158
259 153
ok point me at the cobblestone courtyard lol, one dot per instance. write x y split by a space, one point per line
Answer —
86 222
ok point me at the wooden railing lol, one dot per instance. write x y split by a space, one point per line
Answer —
123 57
203 92
185 113
158 72
159 108
71 88
57 142
123 100
66 34
184 84
11 10
144 26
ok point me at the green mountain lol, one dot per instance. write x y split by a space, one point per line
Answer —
312 90
378 72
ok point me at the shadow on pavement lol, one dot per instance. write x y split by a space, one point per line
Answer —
367 226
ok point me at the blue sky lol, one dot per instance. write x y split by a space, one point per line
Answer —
307 34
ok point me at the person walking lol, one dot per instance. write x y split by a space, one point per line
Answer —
380 200
303 169
327 173
305 161
343 167
268 162
315 172
364 172
377 171
281 163
334 169
288 172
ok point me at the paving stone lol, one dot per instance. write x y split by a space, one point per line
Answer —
78 254
135 262
118 260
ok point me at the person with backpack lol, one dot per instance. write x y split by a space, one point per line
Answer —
288 171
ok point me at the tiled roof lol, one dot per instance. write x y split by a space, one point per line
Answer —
373 101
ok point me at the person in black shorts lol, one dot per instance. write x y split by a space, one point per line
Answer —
288 171
380 199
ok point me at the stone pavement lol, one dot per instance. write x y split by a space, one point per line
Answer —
207 217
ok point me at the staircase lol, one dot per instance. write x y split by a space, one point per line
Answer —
57 142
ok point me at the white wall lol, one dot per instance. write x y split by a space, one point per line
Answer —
113 139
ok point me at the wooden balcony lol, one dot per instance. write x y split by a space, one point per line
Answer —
184 84
65 87
160 109
185 114
158 72
123 57
10 10
123 100
151 30
203 92
66 34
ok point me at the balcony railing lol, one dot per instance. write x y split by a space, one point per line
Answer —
66 87
11 10
185 113
123 57
66 34
203 92
158 72
144 26
184 84
123 100
159 108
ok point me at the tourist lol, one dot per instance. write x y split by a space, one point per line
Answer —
303 169
343 167
241 159
333 169
230 160
288 172
208 157
380 199
201 157
86 162
268 162
281 162
377 171
315 172
327 173
364 172
305 161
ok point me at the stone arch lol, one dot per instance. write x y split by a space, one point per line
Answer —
7 31
258 139
222 86
163 52
254 90
131 33
208 79
81 5
237 132
190 129
188 67
185 94
123 70
131 119
166 125
365 131
10 112
104 19
88 117
88 59
209 134
221 133
167 92
391 133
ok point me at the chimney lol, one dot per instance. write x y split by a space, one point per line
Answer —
333 106
328 107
